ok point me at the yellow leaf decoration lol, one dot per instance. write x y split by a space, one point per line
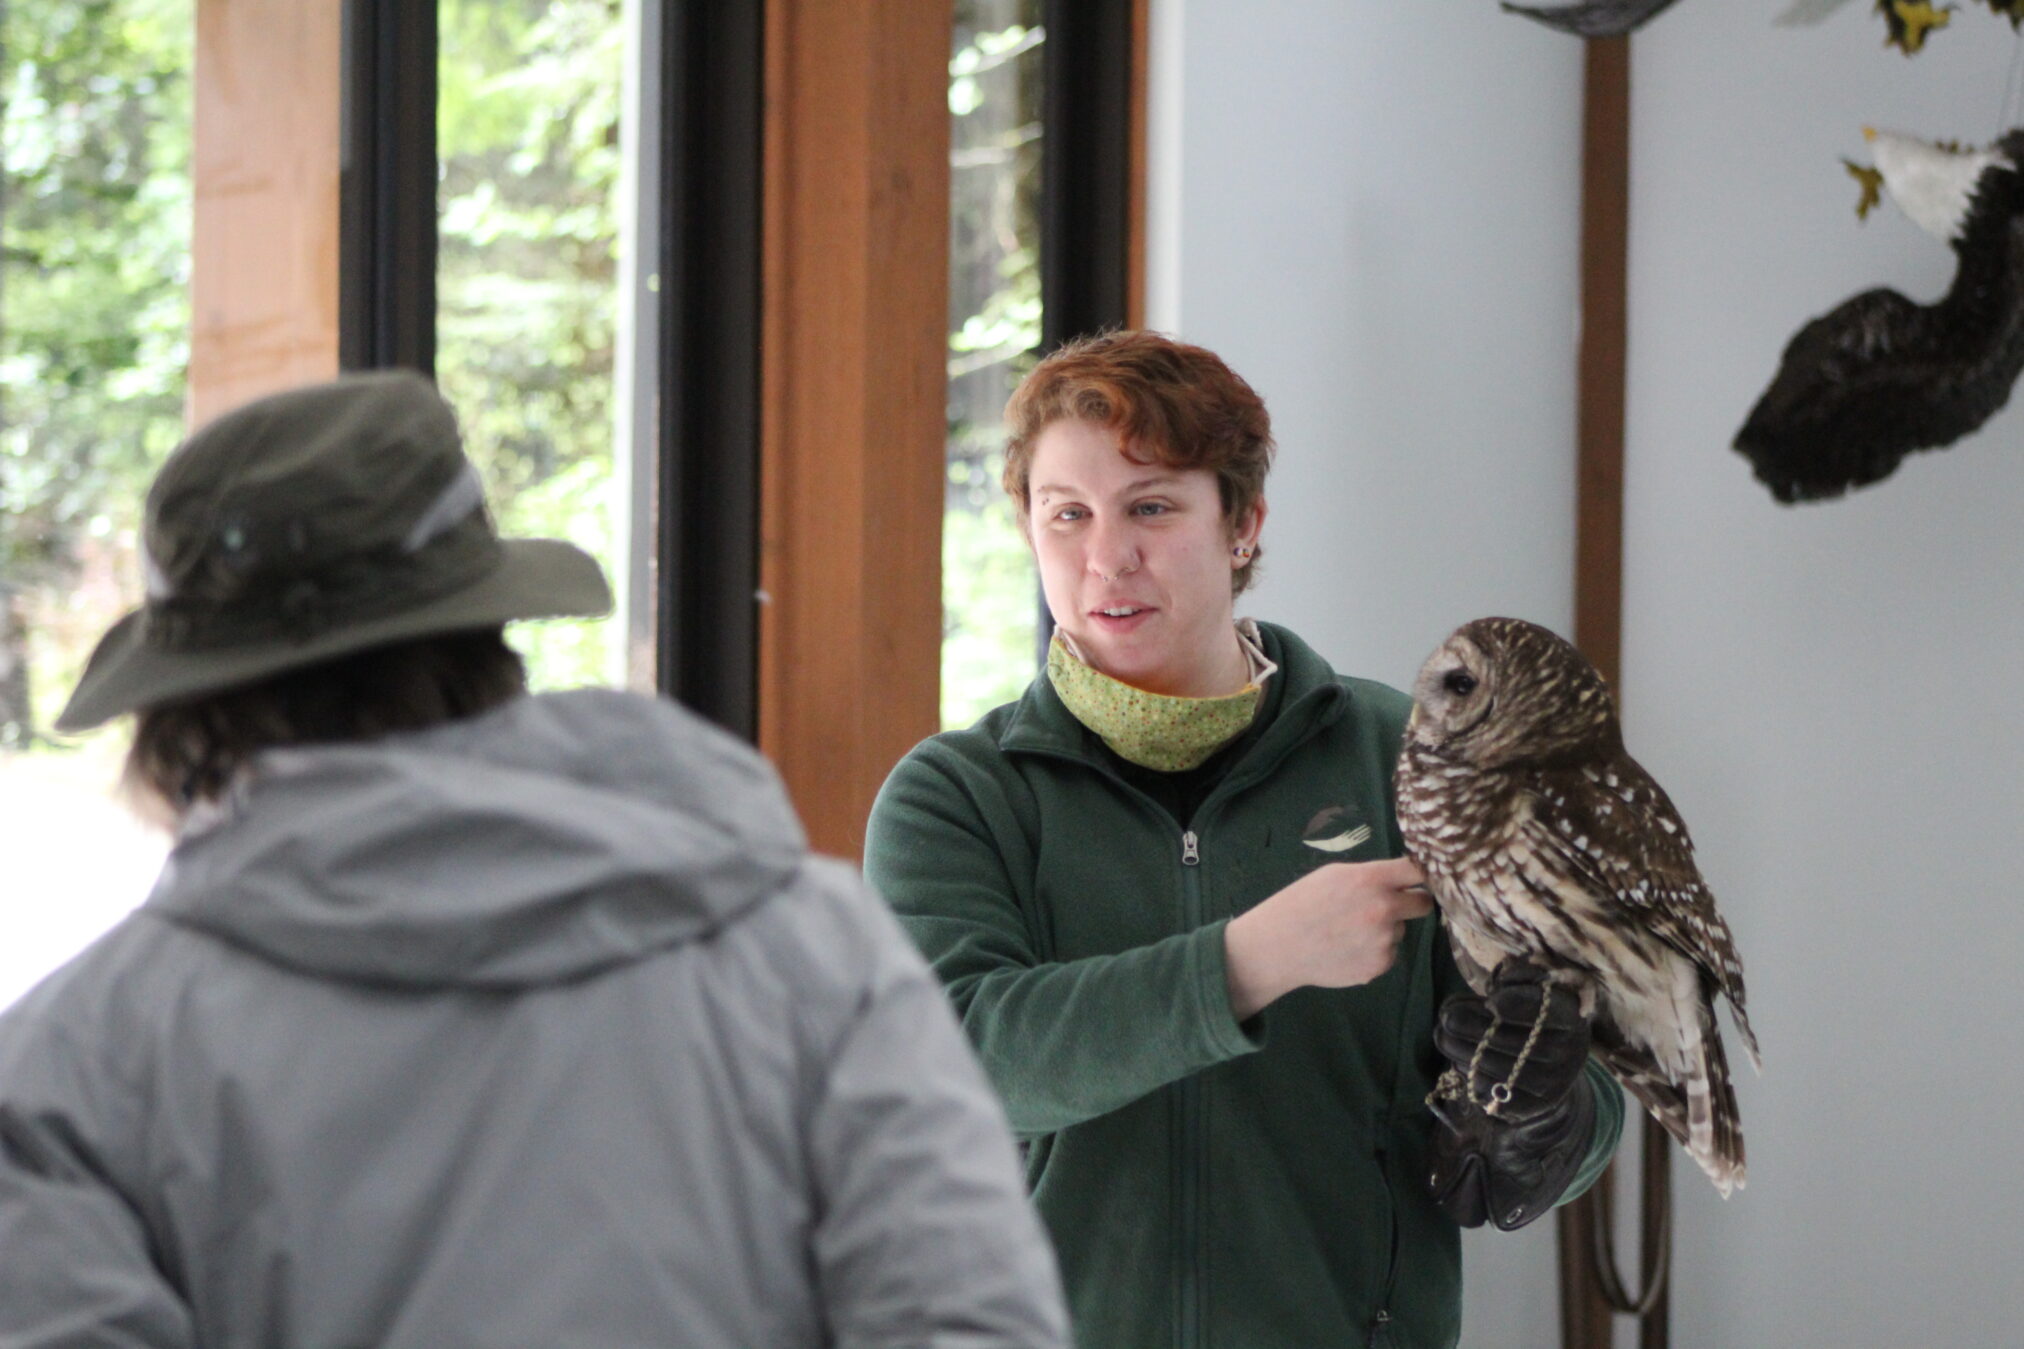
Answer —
1872 187
1911 20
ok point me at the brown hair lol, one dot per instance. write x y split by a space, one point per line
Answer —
1167 402
184 752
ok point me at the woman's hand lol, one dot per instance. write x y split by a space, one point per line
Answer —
1337 926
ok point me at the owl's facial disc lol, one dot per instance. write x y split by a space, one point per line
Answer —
1451 696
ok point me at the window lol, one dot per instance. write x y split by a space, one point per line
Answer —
526 328
1041 250
94 345
991 628
95 341
552 205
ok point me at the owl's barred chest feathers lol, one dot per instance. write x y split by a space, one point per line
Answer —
1453 813
1454 818
1471 832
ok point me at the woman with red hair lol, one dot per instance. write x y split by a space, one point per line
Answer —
1166 893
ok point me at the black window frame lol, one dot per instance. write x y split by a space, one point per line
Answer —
698 309
1086 168
386 240
1089 106
708 188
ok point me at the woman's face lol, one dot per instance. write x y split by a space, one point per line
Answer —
1136 561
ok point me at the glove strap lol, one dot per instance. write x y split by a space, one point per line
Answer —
1454 1086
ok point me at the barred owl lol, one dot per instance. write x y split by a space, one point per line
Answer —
1543 840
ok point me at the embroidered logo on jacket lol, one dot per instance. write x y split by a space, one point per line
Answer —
1334 830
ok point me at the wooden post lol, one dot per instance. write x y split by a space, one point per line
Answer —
264 182
1584 1225
854 384
1584 1313
1605 237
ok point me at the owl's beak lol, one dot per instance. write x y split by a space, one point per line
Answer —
1413 719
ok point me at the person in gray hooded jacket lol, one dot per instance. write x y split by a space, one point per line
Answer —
461 1016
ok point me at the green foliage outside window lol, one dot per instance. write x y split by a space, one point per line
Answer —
94 301
990 597
94 315
527 115
94 321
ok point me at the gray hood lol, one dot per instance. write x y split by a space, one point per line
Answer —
554 837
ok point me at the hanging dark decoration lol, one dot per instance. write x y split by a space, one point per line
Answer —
1908 21
1881 376
1597 18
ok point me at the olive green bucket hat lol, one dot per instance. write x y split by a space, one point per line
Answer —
314 523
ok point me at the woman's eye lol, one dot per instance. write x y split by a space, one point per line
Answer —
1151 508
1070 513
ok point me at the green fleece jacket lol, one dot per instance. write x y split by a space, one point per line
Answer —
1206 1182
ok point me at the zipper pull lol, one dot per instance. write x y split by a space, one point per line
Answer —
1379 1326
1191 855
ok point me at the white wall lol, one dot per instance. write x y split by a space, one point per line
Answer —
1374 217
1825 691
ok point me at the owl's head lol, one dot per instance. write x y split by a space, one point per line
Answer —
1504 693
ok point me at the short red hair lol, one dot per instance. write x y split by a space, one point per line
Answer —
1167 403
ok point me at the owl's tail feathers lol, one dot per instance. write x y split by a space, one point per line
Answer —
1719 1146
1742 1023
1700 1113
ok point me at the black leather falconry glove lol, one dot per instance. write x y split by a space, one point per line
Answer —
1515 1113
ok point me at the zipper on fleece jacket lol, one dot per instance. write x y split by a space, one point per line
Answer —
1380 1330
1190 1107
1380 1324
1191 1158
1188 1184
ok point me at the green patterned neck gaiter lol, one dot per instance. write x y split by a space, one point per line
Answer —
1153 730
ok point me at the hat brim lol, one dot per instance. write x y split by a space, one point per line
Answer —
535 578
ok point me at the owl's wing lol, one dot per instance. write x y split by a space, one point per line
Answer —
1614 826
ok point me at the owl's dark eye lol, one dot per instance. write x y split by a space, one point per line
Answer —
1459 682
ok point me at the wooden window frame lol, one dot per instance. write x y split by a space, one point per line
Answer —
264 167
856 202
855 355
